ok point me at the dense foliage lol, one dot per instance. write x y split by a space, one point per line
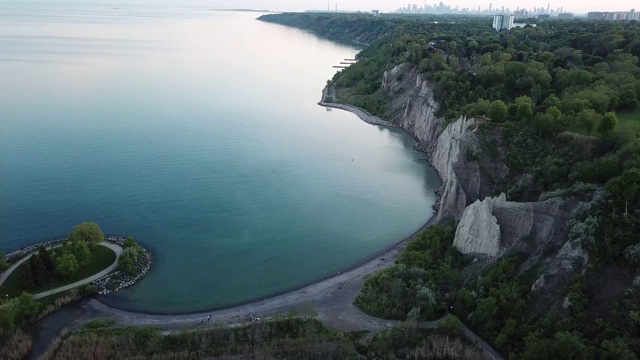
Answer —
283 338
130 259
88 232
428 269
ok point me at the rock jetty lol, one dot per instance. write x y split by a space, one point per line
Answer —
119 280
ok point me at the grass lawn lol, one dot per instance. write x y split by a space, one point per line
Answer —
101 258
629 123
628 126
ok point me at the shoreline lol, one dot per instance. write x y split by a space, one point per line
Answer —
387 252
382 253
331 297
329 91
325 294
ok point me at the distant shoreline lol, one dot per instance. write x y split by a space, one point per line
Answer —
244 10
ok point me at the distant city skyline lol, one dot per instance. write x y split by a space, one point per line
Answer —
574 6
444 8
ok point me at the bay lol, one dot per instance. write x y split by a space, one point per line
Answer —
197 132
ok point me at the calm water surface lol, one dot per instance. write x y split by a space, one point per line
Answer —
198 133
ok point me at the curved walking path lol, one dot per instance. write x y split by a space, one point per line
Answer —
116 248
5 275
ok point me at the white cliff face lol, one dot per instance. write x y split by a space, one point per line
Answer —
494 225
414 97
478 231
449 153
415 111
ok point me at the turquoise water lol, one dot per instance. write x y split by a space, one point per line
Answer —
198 133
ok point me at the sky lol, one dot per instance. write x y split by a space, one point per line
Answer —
577 6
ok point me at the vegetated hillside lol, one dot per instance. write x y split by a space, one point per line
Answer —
284 338
557 105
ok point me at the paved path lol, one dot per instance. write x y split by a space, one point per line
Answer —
5 275
116 248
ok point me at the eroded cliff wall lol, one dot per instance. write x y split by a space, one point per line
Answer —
448 144
470 158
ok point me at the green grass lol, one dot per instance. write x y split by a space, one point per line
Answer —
629 123
101 258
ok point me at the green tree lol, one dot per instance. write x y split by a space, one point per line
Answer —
66 265
26 308
131 243
40 274
555 112
451 326
567 346
524 108
127 264
46 259
3 261
88 232
551 100
617 349
588 118
608 123
7 317
498 111
625 188
632 254
82 253
28 280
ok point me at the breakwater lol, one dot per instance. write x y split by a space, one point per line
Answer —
119 279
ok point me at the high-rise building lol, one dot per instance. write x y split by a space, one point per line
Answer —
565 16
614 16
503 22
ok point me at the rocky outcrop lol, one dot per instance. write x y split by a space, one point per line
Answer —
495 225
478 231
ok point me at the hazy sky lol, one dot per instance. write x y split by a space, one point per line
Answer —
578 6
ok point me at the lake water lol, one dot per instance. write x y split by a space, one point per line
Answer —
198 133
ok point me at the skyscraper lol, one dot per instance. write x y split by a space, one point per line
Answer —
503 22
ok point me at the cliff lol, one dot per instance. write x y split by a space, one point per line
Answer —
465 178
495 226
469 156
